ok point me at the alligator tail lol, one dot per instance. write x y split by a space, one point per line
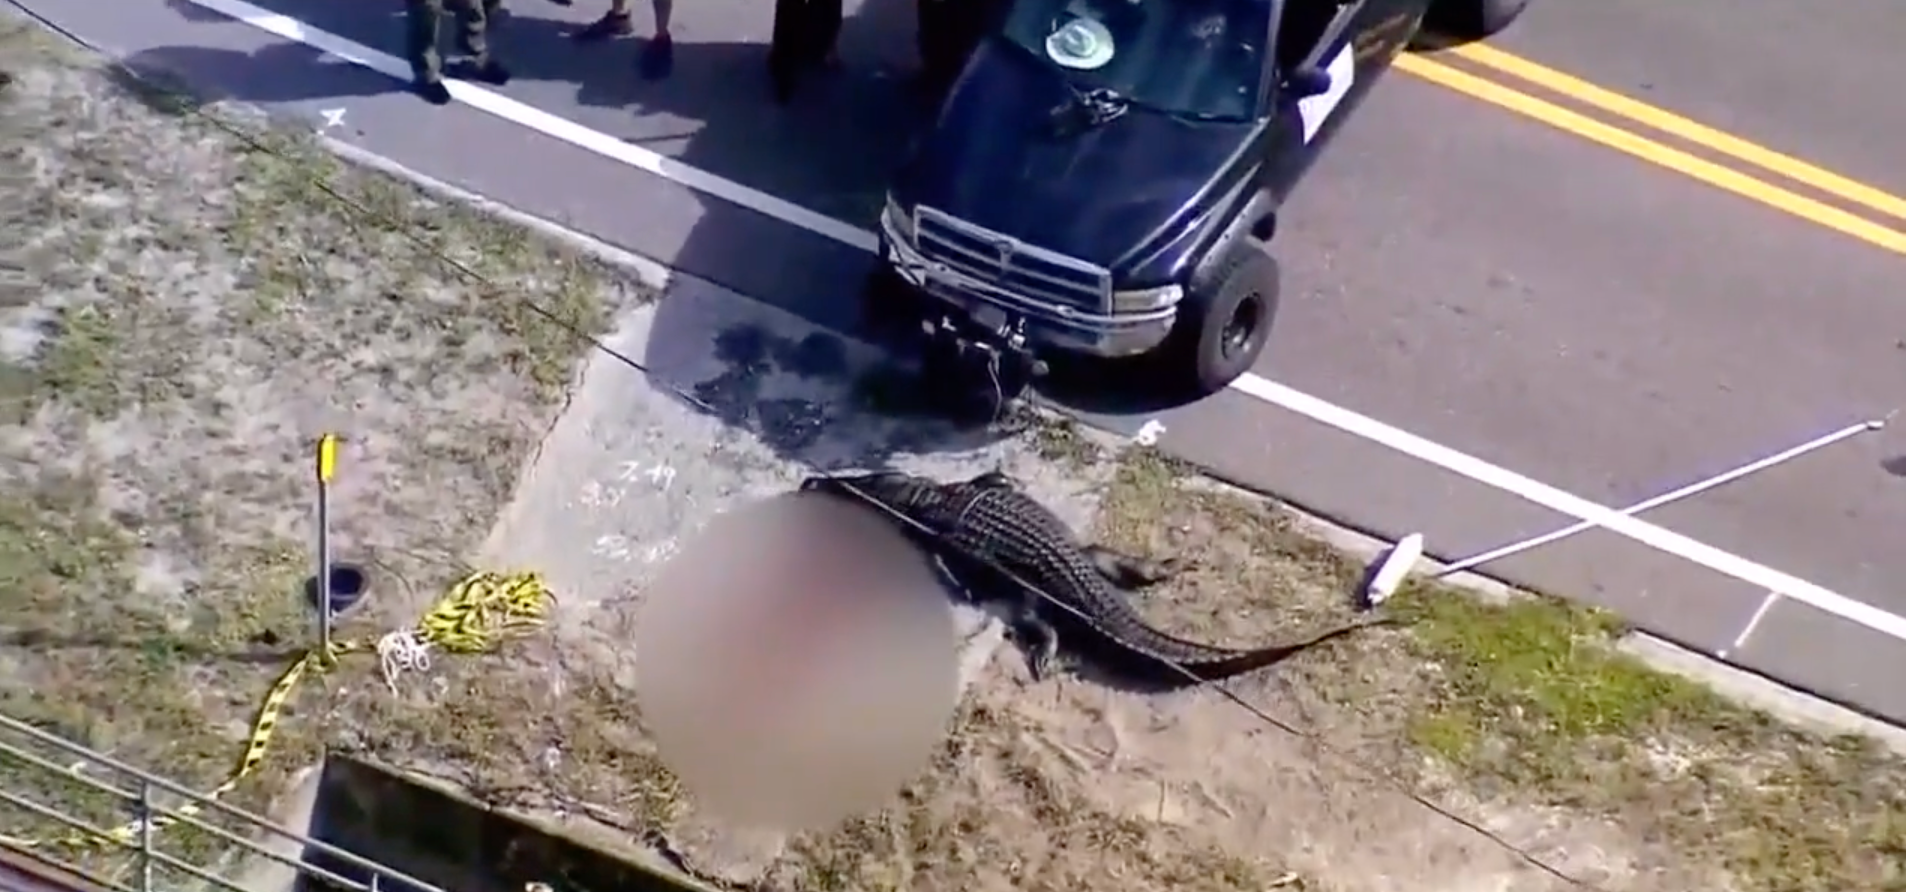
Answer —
1239 662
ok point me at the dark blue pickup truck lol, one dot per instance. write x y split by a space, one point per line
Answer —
1104 176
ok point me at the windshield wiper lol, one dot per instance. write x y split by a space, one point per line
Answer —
1089 109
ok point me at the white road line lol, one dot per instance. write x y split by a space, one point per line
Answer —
1662 539
1753 623
1760 575
550 125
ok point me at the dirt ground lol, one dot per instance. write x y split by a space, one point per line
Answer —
193 307
1515 717
1481 745
192 297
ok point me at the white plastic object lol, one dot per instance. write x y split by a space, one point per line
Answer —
1392 568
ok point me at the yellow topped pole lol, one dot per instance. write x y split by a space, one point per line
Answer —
327 468
327 458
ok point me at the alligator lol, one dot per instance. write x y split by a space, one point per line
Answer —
998 544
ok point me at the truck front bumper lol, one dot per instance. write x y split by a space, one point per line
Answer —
1044 325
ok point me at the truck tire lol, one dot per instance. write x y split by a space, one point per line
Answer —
1469 20
1222 326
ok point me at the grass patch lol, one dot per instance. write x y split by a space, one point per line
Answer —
1527 709
1536 700
198 296
1550 667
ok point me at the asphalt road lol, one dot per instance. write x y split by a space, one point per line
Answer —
1588 318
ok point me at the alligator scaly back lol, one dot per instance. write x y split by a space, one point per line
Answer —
984 525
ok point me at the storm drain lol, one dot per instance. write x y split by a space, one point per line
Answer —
454 843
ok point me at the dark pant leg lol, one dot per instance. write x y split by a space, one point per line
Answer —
965 25
925 14
422 20
942 35
786 46
826 28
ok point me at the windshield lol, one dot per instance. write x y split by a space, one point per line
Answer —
1201 58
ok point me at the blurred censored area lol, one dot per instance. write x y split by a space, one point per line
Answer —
796 662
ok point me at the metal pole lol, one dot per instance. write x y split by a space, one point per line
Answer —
327 466
1692 489
145 836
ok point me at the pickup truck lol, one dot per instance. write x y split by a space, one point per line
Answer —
1103 177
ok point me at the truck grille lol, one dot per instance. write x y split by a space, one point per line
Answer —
1011 265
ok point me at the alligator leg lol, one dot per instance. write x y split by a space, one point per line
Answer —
1131 573
993 480
958 585
1037 638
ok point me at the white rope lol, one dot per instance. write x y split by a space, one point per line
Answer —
402 651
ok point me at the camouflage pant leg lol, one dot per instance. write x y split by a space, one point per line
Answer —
422 20
425 22
473 27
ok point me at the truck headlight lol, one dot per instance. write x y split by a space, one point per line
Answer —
897 222
1147 299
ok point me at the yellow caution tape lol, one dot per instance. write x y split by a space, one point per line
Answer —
481 611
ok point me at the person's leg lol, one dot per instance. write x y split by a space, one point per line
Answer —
949 32
492 16
785 47
658 56
473 22
923 13
935 40
827 22
664 13
615 23
421 21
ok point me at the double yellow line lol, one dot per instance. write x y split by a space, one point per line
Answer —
1821 181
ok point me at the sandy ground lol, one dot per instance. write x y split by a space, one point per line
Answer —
1487 744
198 298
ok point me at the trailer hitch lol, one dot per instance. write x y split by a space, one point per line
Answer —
976 365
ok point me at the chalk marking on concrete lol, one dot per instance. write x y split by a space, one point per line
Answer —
1263 389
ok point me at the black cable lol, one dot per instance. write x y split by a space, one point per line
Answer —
1370 773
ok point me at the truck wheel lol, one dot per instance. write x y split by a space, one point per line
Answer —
1468 20
1221 333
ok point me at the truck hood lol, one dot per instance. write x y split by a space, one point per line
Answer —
993 159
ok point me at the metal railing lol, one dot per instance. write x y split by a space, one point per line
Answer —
144 815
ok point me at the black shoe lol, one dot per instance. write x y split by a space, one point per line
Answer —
492 73
433 91
610 25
